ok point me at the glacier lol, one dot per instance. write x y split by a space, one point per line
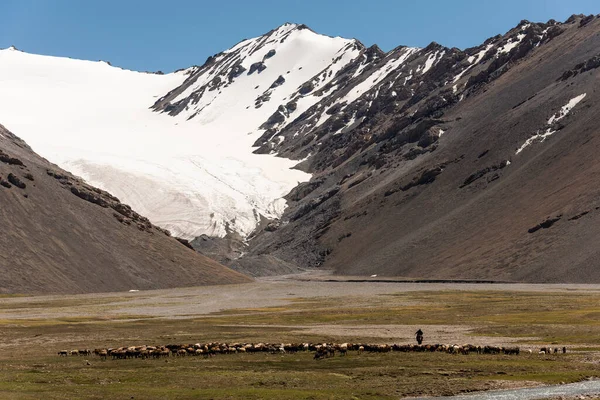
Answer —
193 173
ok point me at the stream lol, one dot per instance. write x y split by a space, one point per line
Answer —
572 389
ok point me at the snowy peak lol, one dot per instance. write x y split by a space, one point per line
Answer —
195 150
257 73
190 168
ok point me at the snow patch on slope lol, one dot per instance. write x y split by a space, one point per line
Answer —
566 109
511 44
377 76
539 137
370 82
563 112
473 60
432 60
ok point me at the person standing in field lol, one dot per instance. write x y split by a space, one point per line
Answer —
419 335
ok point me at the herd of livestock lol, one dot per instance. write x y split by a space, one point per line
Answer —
322 350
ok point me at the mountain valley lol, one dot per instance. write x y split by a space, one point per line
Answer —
295 150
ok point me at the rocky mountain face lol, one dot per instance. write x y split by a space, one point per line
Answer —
430 162
61 235
441 163
257 74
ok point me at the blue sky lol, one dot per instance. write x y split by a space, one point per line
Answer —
150 35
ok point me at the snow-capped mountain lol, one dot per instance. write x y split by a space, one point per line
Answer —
421 162
447 163
193 171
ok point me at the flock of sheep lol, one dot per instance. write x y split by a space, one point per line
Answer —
322 350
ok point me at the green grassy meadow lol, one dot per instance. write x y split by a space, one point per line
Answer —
31 369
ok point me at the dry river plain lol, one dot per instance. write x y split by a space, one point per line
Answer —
297 309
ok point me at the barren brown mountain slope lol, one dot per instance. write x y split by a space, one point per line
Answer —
481 230
492 173
60 235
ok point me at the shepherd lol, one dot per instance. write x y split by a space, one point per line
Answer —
419 335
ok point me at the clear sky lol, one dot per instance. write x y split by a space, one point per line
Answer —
151 35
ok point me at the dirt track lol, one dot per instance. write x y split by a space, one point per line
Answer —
265 292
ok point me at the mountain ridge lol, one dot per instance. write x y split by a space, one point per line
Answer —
406 148
413 138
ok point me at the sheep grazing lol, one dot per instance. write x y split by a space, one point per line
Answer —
103 354
321 350
162 352
321 353
548 350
